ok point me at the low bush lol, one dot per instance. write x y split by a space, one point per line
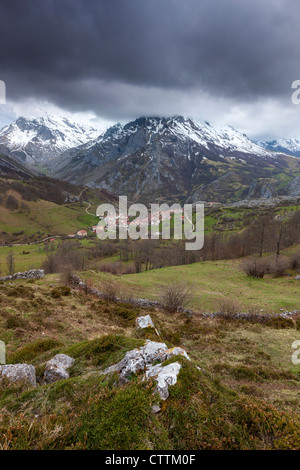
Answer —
14 321
278 266
57 292
255 267
295 261
32 350
229 307
174 297
110 289
280 323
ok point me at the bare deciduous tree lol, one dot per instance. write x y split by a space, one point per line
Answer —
11 263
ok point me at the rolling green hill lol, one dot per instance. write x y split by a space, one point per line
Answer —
39 207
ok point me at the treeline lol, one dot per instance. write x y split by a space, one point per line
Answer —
266 234
36 188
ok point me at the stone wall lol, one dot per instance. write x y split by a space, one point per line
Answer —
31 274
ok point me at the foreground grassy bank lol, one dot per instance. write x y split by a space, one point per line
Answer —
245 395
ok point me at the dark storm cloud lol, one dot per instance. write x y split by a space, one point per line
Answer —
94 54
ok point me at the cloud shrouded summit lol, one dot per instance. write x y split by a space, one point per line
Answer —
122 58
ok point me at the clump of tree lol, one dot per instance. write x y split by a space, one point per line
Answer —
255 267
278 266
11 203
274 265
295 261
266 234
68 257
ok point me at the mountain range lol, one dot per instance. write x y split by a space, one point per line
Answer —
155 159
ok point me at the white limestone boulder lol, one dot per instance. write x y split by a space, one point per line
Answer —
154 351
138 359
141 359
57 368
19 373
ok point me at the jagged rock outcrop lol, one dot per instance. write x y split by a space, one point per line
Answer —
57 368
19 373
139 359
142 359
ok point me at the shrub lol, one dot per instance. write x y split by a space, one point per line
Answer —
280 323
60 291
255 267
104 351
14 321
32 350
112 268
117 269
125 313
20 291
174 297
66 276
12 203
295 261
278 266
110 289
229 307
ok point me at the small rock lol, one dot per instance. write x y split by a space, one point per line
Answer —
156 409
297 278
144 322
19 373
177 351
56 368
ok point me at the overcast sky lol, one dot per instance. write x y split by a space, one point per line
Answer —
225 61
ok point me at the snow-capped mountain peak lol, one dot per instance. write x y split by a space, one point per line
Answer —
39 140
289 146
